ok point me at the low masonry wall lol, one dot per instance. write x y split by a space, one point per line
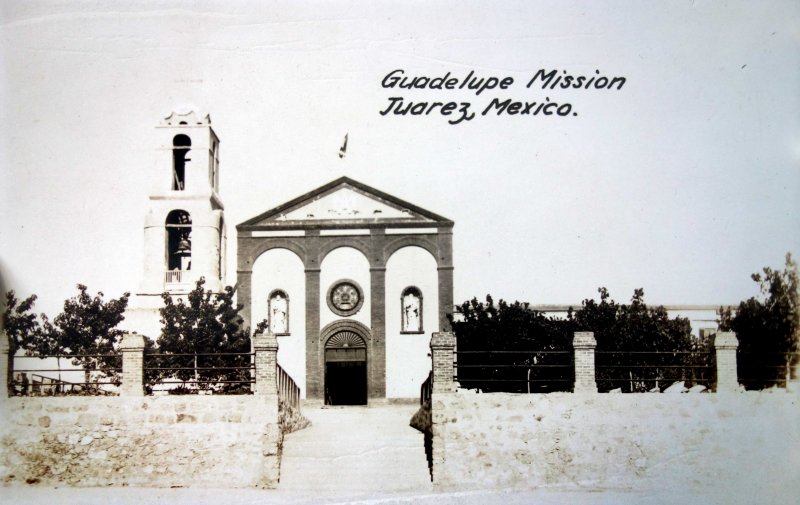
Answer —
165 441
737 445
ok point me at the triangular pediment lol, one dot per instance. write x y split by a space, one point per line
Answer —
344 202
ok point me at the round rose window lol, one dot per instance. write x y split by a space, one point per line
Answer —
345 297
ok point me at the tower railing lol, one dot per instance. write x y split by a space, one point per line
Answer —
173 276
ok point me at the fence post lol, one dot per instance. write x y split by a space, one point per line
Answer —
132 348
443 345
265 346
584 345
725 344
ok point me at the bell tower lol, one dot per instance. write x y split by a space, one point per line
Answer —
184 230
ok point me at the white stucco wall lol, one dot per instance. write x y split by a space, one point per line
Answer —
407 360
282 269
344 263
736 448
230 441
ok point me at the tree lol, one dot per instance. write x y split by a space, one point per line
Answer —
21 326
87 329
641 347
207 339
767 328
528 351
511 347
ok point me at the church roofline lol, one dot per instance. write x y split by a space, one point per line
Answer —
436 220
186 119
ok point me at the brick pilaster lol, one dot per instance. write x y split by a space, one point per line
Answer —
265 346
444 265
443 346
445 278
132 348
243 296
377 379
314 368
584 344
725 344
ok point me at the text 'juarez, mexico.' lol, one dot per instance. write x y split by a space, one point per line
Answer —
536 103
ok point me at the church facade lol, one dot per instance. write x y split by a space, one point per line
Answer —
353 281
350 279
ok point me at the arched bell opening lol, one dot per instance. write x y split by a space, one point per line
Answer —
179 241
346 369
181 145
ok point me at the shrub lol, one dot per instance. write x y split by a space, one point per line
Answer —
210 330
527 351
639 347
511 347
767 328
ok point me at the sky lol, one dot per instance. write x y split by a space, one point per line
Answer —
684 181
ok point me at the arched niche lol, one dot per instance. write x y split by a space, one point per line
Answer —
409 269
281 270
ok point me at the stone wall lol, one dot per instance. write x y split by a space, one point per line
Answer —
723 443
166 441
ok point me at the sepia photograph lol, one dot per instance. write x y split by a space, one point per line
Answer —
400 252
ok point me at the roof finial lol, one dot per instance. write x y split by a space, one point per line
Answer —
343 149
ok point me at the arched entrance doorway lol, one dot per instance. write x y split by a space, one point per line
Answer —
345 369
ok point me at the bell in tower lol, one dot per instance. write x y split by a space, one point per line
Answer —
190 150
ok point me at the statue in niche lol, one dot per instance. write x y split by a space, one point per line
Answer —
279 313
412 311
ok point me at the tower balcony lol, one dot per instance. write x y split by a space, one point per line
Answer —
175 276
178 280
183 281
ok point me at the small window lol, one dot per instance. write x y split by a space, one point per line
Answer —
279 312
181 145
411 310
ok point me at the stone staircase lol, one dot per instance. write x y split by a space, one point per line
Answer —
356 452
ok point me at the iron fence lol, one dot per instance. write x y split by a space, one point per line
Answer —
199 373
640 371
516 371
762 370
66 374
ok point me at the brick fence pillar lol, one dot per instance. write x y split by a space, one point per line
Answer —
584 345
726 343
265 346
443 346
132 348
